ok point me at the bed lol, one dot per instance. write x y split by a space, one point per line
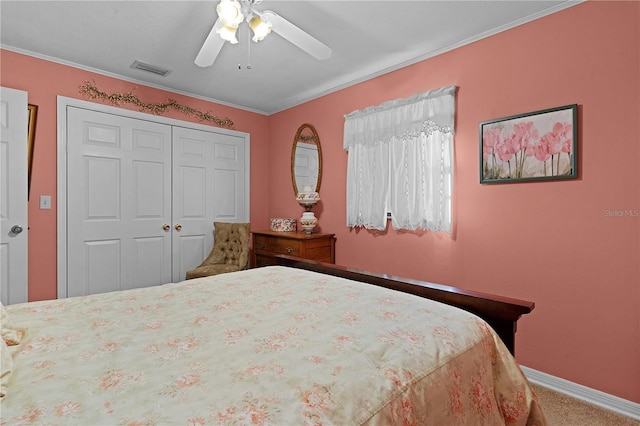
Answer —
278 345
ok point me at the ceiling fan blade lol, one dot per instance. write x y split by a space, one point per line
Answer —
295 35
210 48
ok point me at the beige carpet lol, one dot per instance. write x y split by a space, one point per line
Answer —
562 410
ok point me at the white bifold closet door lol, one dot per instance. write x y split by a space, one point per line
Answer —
142 197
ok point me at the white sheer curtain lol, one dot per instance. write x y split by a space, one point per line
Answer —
401 161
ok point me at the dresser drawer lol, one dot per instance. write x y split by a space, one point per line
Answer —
277 245
268 244
260 260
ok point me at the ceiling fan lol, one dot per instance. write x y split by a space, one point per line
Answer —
231 13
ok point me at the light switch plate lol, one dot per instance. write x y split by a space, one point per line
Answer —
45 202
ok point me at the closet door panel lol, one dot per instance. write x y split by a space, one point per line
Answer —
226 190
118 199
192 195
147 251
102 189
102 270
192 206
151 204
209 170
229 173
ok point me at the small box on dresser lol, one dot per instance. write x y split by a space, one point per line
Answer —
284 224
315 246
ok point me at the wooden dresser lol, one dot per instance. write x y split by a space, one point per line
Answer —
316 246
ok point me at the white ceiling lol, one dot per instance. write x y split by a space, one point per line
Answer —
368 38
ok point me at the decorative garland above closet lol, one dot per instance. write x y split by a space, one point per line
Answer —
93 92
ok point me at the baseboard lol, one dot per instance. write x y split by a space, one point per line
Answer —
583 393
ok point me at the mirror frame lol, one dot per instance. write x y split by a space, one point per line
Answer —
296 139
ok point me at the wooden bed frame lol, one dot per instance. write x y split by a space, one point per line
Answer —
502 313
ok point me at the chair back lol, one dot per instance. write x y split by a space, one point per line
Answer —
231 242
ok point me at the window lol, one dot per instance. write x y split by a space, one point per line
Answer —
401 161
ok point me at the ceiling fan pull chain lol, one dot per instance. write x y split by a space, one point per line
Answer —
248 48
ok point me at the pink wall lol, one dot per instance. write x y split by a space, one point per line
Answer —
45 81
549 242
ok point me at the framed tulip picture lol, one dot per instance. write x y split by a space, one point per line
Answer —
540 145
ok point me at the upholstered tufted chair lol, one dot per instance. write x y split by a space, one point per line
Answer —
230 251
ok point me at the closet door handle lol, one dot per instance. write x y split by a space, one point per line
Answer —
166 227
177 227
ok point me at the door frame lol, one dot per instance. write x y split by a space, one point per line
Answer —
65 102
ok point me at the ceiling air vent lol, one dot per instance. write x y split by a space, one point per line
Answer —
150 68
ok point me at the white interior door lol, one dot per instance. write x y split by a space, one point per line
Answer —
13 196
208 185
118 202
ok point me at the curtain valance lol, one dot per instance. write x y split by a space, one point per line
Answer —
401 118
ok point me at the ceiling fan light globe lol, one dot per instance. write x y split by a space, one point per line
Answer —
228 34
230 13
260 28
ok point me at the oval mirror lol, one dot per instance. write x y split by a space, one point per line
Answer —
306 159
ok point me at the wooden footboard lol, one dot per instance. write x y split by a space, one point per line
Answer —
502 313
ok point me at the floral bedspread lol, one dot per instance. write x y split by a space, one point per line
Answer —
267 346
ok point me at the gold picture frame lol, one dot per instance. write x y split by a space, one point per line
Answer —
31 140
